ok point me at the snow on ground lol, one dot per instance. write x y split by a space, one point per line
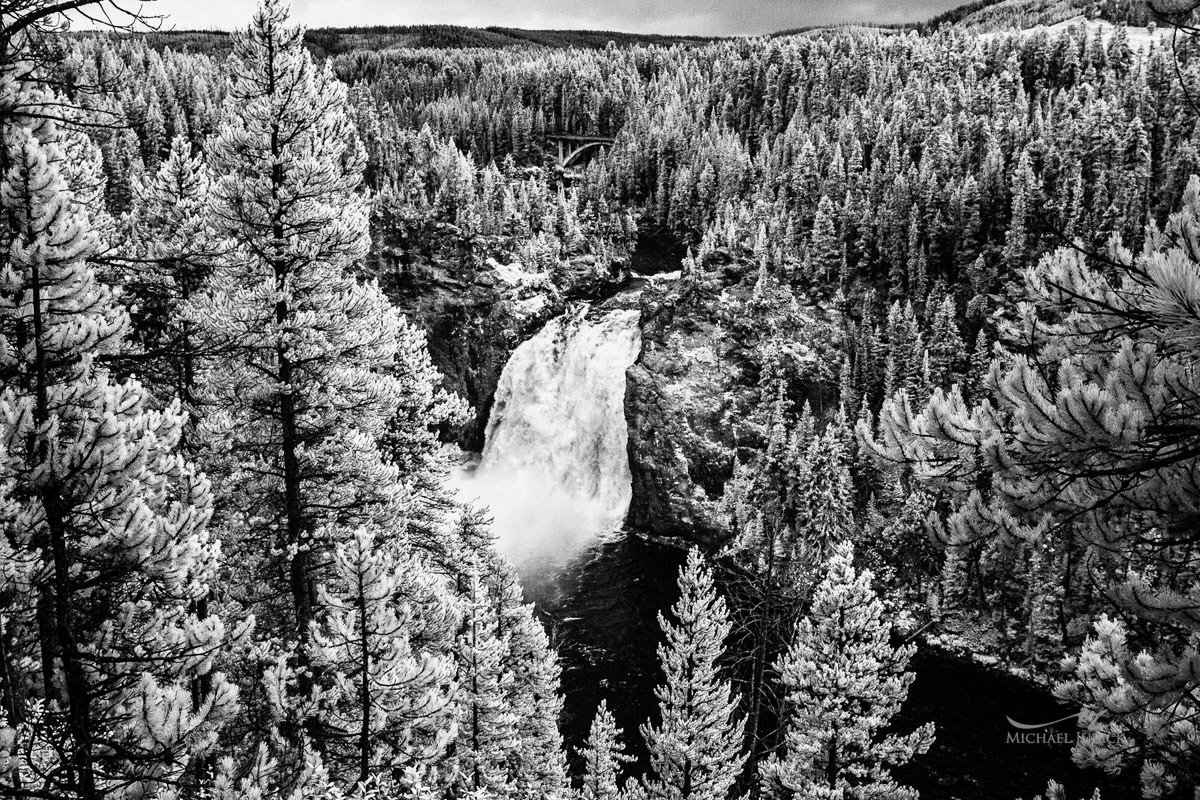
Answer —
1139 38
512 274
515 275
531 306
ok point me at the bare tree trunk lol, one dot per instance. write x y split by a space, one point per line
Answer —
54 608
364 734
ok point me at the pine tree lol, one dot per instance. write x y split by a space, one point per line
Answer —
536 763
969 224
980 364
487 722
311 383
824 246
905 347
845 682
392 708
1024 188
172 258
696 747
1055 791
824 499
906 275
604 758
266 777
106 549
1126 718
946 349
759 497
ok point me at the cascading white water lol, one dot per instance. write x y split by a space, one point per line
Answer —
555 470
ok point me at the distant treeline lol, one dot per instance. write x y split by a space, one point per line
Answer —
334 41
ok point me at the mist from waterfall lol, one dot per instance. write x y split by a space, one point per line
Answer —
555 470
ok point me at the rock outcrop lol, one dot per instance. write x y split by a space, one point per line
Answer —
475 317
719 346
678 407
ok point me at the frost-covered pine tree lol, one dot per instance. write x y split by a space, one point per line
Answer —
314 362
537 765
487 722
508 699
392 708
696 749
824 256
1135 711
1056 791
824 497
106 549
604 758
170 256
845 681
1024 187
947 353
905 347
266 778
306 414
300 393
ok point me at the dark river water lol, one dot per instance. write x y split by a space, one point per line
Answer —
601 610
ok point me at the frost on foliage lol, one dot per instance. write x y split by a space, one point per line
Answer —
319 417
1086 438
487 722
793 504
1056 791
696 744
107 551
537 765
169 251
392 701
266 779
845 682
312 408
1138 709
507 701
604 758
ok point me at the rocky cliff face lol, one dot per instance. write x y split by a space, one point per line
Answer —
678 407
718 348
475 317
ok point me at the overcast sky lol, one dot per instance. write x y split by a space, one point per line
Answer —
700 17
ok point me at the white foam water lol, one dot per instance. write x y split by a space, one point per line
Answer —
555 470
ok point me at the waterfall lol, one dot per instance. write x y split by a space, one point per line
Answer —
555 471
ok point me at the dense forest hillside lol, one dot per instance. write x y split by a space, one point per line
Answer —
985 15
333 41
1015 14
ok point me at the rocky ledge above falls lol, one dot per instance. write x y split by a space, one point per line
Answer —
475 317
719 345
678 403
